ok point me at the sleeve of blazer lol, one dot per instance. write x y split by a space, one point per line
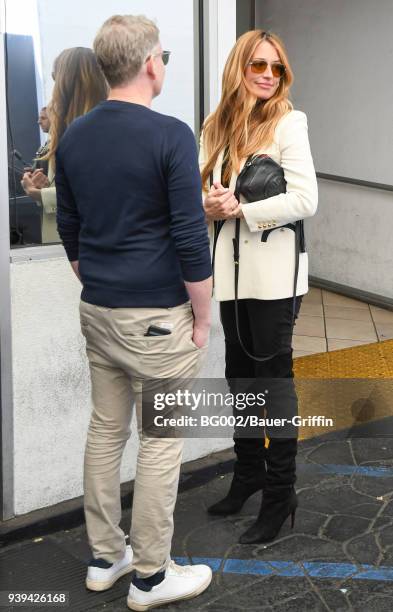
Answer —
48 197
301 199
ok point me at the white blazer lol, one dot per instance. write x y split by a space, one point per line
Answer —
266 270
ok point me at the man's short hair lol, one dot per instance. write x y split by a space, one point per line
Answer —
122 45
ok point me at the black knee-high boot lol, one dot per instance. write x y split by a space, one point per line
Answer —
279 496
248 476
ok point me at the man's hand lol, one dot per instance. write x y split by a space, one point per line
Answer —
75 267
200 294
201 332
220 203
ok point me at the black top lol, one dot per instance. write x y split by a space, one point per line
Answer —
129 206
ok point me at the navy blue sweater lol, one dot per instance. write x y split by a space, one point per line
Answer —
129 206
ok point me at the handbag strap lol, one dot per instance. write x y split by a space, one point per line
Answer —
217 227
236 260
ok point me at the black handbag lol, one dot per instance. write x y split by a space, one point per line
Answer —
260 178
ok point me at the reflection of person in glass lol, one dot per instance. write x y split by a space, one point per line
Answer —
79 86
44 120
39 163
255 116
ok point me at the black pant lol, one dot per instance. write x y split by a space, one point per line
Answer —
265 328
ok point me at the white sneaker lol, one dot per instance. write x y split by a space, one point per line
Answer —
180 582
102 578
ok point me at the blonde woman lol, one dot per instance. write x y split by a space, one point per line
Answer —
256 117
79 86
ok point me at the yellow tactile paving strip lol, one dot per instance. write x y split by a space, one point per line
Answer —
353 386
366 361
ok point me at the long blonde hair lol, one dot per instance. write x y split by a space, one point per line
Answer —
242 122
79 86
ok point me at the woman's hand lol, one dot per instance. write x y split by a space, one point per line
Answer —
220 203
30 189
39 179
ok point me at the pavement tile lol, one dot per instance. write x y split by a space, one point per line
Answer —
364 549
311 309
334 299
272 593
334 344
388 510
309 326
372 449
300 354
355 314
384 331
386 535
339 451
335 599
347 329
373 487
297 547
370 597
313 296
381 315
342 527
308 344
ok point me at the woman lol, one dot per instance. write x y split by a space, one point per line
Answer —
255 116
79 86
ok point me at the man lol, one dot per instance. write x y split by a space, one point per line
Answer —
36 176
43 120
38 163
131 220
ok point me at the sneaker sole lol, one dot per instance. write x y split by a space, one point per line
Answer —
133 605
96 585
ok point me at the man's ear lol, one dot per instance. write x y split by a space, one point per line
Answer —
150 68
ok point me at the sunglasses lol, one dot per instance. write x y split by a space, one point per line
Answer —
164 55
259 67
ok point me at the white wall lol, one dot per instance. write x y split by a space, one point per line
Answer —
349 239
332 47
340 52
52 389
74 23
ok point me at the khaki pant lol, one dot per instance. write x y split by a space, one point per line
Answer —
120 358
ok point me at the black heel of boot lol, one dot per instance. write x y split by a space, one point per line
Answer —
272 516
237 496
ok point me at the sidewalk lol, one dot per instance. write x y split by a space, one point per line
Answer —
339 556
329 322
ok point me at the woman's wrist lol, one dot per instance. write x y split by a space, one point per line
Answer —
35 194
